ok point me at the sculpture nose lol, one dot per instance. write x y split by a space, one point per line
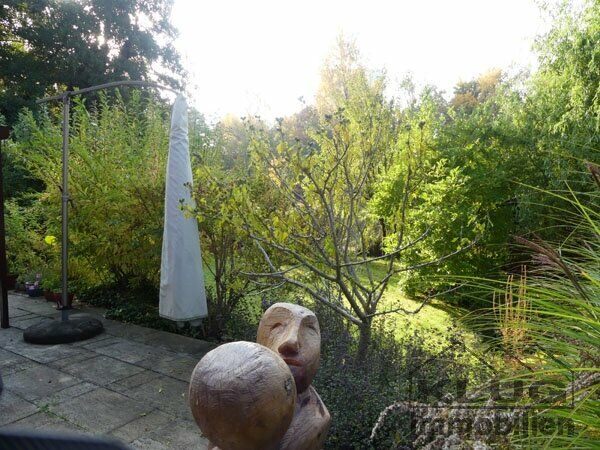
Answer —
289 346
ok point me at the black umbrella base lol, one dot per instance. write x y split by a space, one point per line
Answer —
58 332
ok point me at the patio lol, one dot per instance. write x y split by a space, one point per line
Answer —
128 383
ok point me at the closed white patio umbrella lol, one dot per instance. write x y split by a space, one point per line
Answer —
182 295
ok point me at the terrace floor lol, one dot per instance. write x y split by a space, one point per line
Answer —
129 383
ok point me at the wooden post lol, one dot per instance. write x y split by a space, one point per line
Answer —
4 320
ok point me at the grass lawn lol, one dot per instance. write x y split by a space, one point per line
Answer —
433 321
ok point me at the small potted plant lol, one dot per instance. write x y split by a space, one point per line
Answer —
34 287
53 289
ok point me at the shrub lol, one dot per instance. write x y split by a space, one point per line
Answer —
116 185
394 370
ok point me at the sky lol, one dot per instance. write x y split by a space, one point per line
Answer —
260 56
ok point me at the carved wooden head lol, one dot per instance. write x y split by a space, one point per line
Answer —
293 332
242 397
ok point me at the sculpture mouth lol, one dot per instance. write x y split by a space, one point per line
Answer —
293 362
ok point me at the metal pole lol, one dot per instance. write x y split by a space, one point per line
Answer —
65 97
4 322
65 208
114 84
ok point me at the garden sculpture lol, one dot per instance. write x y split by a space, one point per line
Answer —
247 396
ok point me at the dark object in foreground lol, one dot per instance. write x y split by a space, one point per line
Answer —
63 332
34 440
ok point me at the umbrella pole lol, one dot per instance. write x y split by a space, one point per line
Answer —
65 209
4 321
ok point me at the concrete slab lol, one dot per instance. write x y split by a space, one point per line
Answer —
124 385
179 344
8 335
43 421
96 340
147 443
14 312
130 381
101 410
13 408
39 353
81 355
26 321
20 366
38 382
92 344
34 305
129 351
182 435
65 395
126 330
9 358
102 370
144 426
178 366
166 394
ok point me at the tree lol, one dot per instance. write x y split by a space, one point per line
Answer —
467 95
219 178
315 232
50 45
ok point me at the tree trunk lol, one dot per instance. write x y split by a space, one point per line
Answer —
363 342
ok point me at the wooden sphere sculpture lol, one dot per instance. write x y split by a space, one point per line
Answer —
242 396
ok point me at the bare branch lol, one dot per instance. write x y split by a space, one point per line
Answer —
428 263
424 302
388 255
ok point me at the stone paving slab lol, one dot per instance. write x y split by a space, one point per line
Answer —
128 351
10 335
39 353
181 435
38 382
93 344
100 410
38 306
133 381
25 322
64 395
147 443
176 366
43 421
161 392
160 431
145 425
178 344
15 313
8 359
18 367
126 330
130 382
13 408
81 355
102 370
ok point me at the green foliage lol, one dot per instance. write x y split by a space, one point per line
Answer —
564 327
316 232
219 182
50 45
116 185
395 369
558 331
349 195
25 248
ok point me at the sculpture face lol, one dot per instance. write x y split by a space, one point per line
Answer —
293 332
